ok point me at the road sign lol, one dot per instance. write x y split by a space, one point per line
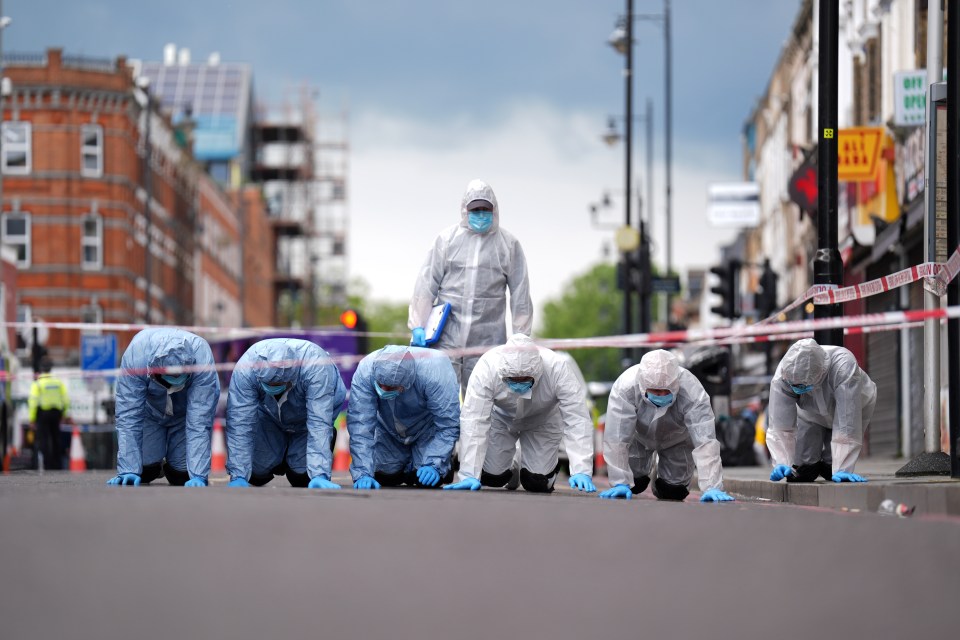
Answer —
98 353
733 204
666 285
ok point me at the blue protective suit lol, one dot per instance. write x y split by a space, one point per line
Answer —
419 427
262 430
153 423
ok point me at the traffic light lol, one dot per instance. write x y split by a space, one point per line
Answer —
728 274
354 320
767 295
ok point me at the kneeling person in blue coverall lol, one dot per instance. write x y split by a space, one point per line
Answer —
404 418
659 411
166 399
284 397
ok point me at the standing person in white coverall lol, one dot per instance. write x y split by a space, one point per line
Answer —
658 407
522 392
816 391
471 265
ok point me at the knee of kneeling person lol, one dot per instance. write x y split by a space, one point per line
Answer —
667 491
495 479
175 477
537 482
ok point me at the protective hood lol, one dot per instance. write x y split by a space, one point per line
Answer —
395 367
804 363
659 369
479 190
519 358
276 363
172 351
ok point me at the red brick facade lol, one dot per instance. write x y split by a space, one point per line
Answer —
82 192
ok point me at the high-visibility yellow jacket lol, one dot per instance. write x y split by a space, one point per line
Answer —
47 393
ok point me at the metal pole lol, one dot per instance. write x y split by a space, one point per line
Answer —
1 101
628 133
649 123
148 188
646 225
827 265
931 326
668 144
953 225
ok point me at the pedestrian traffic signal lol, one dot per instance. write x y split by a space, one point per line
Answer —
767 295
728 274
354 320
349 319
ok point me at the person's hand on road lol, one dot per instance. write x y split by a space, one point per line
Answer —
780 472
238 482
366 482
582 482
128 479
844 476
470 484
428 476
196 482
715 495
322 483
619 491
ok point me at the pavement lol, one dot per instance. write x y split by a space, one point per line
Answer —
933 495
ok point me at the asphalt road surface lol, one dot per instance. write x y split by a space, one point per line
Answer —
82 560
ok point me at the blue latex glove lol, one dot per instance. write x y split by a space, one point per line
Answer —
322 483
619 491
470 483
129 479
780 472
428 476
715 495
195 482
238 482
844 476
582 482
419 338
366 482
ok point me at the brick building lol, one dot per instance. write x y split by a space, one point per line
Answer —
75 196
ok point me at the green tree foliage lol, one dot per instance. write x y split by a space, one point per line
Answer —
590 306
387 317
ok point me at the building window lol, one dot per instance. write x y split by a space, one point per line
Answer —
16 156
91 150
16 234
91 242
92 314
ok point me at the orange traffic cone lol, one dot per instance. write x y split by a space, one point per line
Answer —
78 455
599 464
218 450
341 451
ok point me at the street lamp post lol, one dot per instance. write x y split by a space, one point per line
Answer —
622 41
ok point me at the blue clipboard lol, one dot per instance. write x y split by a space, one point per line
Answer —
436 322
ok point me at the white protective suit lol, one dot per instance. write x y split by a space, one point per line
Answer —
472 271
682 433
494 417
842 400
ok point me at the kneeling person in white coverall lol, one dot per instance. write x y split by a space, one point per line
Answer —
816 391
526 393
658 407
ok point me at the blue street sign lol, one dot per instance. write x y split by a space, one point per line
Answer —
666 285
98 353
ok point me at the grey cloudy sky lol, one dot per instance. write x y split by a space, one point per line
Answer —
516 92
